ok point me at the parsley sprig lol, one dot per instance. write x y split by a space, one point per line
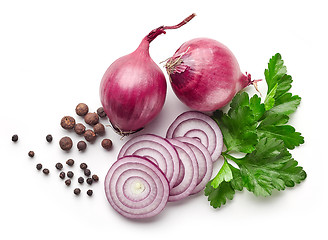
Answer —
259 129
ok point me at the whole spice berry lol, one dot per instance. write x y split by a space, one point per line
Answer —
81 145
59 166
79 128
14 138
81 109
80 180
49 138
90 192
106 143
89 181
99 129
68 182
90 135
95 178
87 172
67 122
77 191
39 166
62 175
31 154
91 118
70 162
66 143
46 171
70 174
83 166
101 113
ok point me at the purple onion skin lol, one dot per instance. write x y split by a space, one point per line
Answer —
133 90
209 75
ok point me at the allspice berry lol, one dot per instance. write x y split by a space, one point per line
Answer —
79 128
101 113
81 145
99 129
106 143
91 118
66 143
67 122
82 109
90 135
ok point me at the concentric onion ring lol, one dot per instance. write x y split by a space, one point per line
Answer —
136 188
201 127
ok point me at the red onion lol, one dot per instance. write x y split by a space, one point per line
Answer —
205 75
157 150
133 88
201 127
136 188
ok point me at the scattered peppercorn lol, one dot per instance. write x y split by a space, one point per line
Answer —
31 154
39 166
70 162
99 129
46 171
101 113
68 182
91 118
81 109
89 181
67 122
90 192
80 180
14 138
87 172
70 174
59 166
79 128
49 138
81 145
77 191
90 135
62 175
106 143
66 143
95 178
83 166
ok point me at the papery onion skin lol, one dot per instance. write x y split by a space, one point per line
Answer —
205 75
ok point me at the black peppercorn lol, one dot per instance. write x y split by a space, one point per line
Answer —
89 181
59 166
49 138
68 182
95 178
46 171
83 166
77 191
87 172
81 109
101 113
67 122
99 129
66 143
79 128
31 154
70 162
106 143
80 180
39 166
81 145
14 138
90 192
91 118
62 175
70 174
90 135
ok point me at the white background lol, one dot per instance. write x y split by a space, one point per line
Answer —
53 55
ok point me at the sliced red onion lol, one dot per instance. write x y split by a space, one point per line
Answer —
204 160
157 150
136 188
190 175
201 127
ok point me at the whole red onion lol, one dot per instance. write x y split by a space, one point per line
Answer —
205 75
133 88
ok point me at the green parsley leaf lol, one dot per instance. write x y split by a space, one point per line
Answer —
224 174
